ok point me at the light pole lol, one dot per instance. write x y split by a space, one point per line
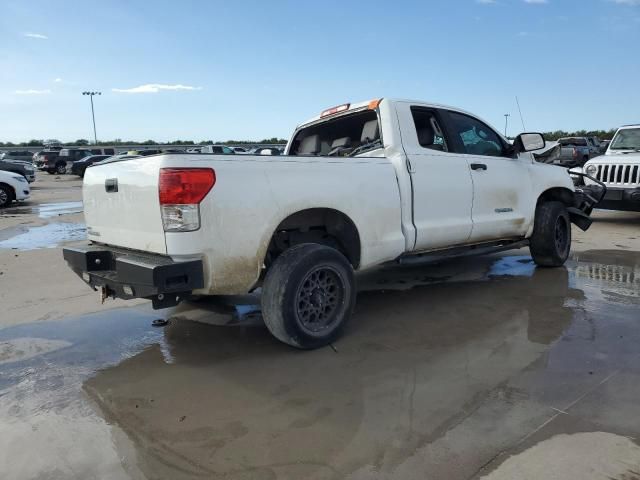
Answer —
93 115
506 122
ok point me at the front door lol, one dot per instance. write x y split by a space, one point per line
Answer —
501 183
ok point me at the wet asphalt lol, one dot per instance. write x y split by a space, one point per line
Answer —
448 371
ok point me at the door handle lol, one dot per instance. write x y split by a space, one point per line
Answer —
478 166
111 185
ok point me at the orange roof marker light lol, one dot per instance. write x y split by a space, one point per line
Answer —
373 104
334 110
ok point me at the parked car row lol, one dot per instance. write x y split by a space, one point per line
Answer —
20 167
77 160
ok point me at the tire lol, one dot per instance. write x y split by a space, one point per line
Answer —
61 168
308 296
551 240
6 196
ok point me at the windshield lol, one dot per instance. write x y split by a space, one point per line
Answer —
627 139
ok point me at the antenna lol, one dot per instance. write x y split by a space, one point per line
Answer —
521 119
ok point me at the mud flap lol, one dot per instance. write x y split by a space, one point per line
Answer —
579 218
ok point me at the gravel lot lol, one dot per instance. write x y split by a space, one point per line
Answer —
476 368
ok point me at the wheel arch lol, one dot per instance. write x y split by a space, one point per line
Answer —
316 225
558 194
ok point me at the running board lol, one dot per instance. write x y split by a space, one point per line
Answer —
456 252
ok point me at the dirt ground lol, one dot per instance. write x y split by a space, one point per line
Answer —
482 367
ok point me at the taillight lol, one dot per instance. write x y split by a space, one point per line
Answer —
575 152
185 185
180 191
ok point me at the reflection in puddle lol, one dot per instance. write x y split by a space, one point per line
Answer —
513 265
46 236
46 210
414 366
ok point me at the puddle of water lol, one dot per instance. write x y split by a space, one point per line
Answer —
513 265
414 367
584 456
46 236
46 210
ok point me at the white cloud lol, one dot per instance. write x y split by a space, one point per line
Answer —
537 2
31 91
154 88
57 80
36 35
485 2
626 2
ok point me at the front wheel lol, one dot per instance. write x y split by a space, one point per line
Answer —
551 239
6 196
308 295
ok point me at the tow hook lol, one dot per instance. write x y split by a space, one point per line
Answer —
106 292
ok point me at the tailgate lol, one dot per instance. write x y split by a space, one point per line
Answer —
121 204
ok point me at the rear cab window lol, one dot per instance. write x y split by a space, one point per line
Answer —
473 137
351 134
428 129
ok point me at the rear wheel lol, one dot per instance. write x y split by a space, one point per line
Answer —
551 239
308 295
6 196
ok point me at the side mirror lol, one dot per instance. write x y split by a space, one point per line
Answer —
528 142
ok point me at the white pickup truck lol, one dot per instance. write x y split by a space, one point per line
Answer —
360 185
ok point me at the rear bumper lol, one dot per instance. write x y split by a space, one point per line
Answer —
126 274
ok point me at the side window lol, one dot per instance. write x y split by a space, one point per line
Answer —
428 130
476 137
216 150
227 151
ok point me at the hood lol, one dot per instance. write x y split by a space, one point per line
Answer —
618 153
615 159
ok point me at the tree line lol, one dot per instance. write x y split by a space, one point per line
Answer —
84 142
601 134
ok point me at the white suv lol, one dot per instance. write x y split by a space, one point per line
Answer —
619 170
12 187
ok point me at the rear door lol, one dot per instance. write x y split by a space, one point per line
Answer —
501 183
121 204
440 180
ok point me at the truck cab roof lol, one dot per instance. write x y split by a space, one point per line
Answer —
347 108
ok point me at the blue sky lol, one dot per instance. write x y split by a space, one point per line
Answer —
253 69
